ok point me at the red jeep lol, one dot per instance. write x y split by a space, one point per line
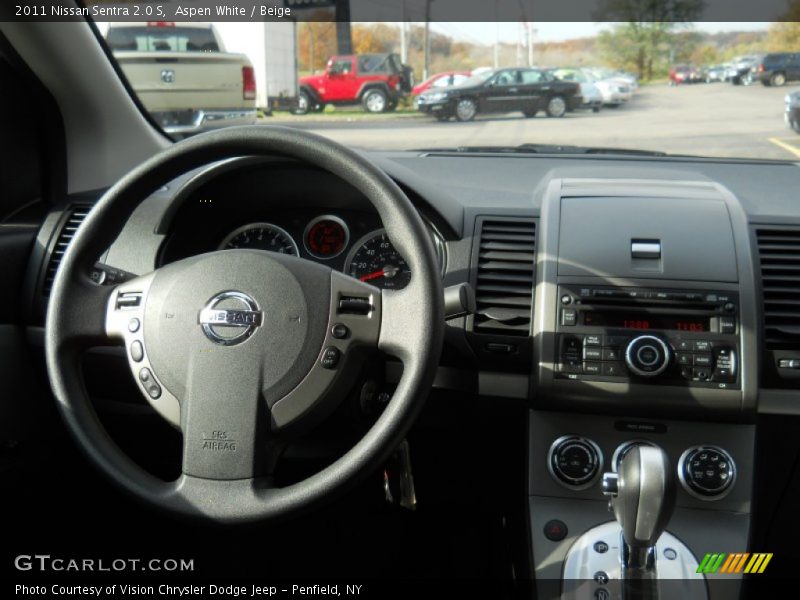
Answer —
376 81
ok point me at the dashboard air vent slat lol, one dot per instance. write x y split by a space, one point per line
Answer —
75 217
779 254
505 276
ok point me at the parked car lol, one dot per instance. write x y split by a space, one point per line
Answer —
592 98
714 73
500 91
183 75
440 80
680 74
778 68
792 113
376 81
741 70
615 91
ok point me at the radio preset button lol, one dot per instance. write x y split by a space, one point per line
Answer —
610 354
684 358
612 369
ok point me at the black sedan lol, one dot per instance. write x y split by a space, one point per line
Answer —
502 91
793 110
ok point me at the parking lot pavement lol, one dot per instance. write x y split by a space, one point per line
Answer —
715 119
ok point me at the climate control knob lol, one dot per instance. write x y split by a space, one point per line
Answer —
647 356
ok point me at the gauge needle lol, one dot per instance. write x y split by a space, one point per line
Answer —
373 275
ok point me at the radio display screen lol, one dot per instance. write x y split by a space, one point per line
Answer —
646 321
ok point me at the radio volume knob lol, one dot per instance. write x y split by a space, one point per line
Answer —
647 356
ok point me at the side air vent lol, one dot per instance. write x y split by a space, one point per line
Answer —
779 253
505 276
75 216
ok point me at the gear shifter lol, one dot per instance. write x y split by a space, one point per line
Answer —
643 497
635 552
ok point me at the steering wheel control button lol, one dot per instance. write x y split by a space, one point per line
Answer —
575 462
330 357
149 383
137 351
600 547
647 356
340 331
555 530
134 325
707 472
355 305
128 300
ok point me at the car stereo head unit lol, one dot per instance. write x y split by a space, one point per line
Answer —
668 337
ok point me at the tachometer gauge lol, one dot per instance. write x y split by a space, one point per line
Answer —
373 259
326 237
261 236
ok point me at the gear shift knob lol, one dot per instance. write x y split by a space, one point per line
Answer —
643 497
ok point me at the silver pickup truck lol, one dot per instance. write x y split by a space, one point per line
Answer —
183 75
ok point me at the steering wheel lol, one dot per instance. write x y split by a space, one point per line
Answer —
244 349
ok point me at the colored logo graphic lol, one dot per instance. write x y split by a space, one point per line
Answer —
739 562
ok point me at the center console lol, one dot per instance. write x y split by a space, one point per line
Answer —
646 350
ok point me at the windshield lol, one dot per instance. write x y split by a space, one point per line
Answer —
705 89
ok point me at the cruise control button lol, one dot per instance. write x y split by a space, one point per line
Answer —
330 357
137 351
340 331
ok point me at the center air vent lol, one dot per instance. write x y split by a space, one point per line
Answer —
505 276
779 252
68 227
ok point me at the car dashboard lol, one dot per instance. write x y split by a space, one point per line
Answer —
620 299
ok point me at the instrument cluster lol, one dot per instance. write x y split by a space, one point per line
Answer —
327 238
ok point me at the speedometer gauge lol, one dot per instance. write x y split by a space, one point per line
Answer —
261 236
373 259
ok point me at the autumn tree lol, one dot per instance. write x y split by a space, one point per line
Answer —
644 29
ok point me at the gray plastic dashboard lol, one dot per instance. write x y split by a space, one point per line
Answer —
457 189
